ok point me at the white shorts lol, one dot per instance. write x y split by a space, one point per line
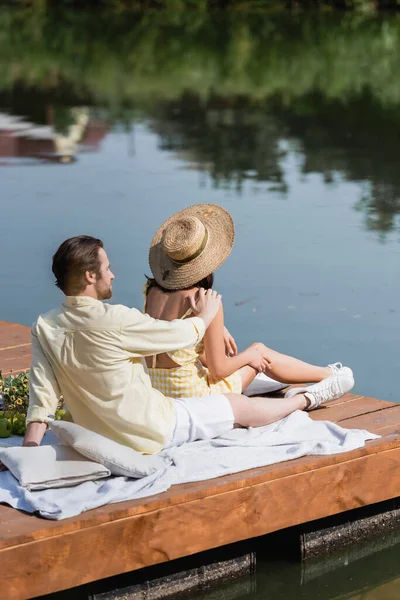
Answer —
201 418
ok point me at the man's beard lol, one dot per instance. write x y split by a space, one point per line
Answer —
104 293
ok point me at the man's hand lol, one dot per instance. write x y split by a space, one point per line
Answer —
205 305
230 344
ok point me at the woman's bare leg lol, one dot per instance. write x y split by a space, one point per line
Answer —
287 369
247 375
256 412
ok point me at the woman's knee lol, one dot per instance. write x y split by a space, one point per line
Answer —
273 355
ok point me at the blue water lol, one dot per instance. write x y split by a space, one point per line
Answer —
305 276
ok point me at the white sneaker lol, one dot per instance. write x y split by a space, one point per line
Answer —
335 367
330 388
338 369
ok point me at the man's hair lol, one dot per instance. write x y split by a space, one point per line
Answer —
73 258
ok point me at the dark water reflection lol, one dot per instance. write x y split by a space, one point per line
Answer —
368 571
109 122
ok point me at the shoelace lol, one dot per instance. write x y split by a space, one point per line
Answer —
327 391
335 367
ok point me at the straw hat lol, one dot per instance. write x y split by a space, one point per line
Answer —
190 245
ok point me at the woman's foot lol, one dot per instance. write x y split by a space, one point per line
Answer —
330 388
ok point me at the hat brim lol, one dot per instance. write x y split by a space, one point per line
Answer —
221 234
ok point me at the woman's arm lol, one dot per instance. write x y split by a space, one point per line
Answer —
230 347
218 363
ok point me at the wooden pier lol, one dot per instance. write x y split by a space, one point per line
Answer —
39 556
15 348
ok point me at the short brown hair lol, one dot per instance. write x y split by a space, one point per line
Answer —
73 258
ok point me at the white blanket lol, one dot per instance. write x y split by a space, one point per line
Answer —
296 435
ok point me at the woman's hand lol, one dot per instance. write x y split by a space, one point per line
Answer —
258 354
230 344
205 305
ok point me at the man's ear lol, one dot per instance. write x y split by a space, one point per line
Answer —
90 277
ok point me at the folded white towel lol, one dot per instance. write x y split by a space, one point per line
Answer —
44 467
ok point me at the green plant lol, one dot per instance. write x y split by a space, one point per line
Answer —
14 390
15 393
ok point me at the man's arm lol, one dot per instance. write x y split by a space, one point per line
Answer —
34 433
143 336
44 395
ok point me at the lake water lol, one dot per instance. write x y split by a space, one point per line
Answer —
109 123
364 572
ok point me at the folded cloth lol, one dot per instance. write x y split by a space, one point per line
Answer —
240 449
44 467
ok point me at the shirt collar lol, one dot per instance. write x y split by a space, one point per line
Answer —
80 301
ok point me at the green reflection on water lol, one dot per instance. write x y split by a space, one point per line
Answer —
119 58
223 89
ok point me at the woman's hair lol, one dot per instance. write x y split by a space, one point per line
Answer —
205 283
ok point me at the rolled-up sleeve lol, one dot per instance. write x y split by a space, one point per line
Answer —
144 336
44 392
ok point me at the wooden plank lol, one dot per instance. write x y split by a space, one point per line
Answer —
14 363
14 351
375 421
8 324
352 408
15 348
10 354
14 335
173 532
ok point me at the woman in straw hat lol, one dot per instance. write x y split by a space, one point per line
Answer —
184 253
